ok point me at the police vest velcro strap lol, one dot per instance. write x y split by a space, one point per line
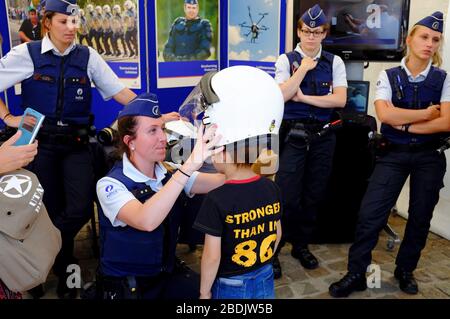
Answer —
415 147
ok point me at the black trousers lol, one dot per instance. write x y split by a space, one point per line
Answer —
303 175
426 170
67 175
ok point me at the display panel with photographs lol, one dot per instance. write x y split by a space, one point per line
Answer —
110 27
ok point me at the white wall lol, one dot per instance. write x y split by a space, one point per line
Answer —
419 9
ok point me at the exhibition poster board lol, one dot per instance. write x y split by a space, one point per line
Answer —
110 28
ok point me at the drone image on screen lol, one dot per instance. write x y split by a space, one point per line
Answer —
255 28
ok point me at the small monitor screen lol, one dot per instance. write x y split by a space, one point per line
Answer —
357 97
370 30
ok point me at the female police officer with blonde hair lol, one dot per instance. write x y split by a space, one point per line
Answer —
56 76
413 103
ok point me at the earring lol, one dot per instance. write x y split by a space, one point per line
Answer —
133 148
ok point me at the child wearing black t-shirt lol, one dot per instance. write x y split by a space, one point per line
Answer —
241 222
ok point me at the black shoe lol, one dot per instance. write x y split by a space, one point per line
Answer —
406 281
276 268
37 292
64 292
349 283
306 258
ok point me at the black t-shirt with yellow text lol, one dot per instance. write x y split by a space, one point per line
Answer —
244 213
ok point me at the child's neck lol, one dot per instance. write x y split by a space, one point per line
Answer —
238 173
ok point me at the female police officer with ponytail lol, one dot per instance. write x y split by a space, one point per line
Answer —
141 201
413 104
56 76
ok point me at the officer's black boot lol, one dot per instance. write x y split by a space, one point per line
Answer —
349 283
306 258
406 281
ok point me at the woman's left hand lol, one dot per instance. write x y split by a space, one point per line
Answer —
204 148
172 116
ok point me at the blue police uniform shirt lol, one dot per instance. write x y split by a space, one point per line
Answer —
113 195
17 66
283 69
384 90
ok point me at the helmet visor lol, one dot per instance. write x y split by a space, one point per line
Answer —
193 107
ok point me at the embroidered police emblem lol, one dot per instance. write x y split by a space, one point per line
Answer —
80 91
312 24
435 25
155 110
378 83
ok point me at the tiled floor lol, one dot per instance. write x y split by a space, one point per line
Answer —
432 274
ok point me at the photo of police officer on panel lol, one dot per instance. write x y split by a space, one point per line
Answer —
185 30
110 27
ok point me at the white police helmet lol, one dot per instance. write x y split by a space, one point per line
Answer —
128 4
106 8
98 9
243 101
81 11
90 8
116 8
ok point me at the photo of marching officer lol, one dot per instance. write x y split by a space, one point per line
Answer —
111 28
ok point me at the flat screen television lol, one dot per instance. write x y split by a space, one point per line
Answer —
357 97
362 30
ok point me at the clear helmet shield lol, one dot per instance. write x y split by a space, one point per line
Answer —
193 107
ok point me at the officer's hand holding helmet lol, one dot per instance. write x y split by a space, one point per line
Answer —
244 102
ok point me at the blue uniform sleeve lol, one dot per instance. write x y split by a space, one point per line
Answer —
206 33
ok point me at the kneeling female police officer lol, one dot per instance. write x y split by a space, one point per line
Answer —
141 205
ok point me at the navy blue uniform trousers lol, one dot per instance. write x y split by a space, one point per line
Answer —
67 176
303 176
426 170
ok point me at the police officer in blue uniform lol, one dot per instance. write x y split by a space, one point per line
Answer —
141 205
313 83
413 104
56 76
190 36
